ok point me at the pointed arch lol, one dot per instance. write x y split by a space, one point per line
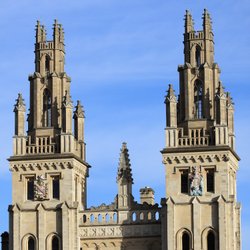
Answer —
53 241
198 99
184 239
209 239
29 242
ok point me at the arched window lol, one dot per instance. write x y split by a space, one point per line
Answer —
134 216
55 243
47 63
31 243
198 96
210 241
185 241
46 108
198 56
107 218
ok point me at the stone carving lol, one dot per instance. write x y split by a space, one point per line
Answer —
120 231
40 188
196 182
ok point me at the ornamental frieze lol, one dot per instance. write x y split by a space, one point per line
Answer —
120 231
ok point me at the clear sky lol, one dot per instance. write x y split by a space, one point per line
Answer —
121 56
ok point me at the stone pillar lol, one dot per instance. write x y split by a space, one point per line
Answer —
41 227
171 240
196 223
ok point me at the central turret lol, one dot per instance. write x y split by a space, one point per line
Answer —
51 108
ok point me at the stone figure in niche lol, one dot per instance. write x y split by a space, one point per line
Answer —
40 188
196 182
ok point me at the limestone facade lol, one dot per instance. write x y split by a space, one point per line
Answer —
49 169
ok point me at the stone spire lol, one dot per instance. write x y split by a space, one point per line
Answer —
124 170
124 180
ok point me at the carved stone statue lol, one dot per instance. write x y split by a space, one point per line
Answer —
196 182
40 188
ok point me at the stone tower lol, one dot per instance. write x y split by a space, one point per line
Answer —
200 210
48 165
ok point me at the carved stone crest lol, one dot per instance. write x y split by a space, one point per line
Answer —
40 188
196 182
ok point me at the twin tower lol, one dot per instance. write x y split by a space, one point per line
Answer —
49 169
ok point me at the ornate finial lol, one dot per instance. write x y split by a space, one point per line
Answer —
170 90
58 32
20 105
40 32
189 24
67 102
220 92
207 24
124 170
79 112
220 88
61 33
229 100
170 94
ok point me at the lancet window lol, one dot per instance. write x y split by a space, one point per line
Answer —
55 243
46 108
198 56
185 241
198 100
210 241
31 243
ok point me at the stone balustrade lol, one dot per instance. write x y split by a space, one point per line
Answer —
42 145
112 217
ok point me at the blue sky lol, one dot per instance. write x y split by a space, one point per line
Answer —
121 56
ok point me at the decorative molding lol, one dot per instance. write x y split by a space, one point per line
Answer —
101 232
199 158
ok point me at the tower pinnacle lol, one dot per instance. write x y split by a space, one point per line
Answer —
207 24
189 24
124 180
124 170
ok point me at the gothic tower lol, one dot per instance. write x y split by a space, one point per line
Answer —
200 210
48 165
